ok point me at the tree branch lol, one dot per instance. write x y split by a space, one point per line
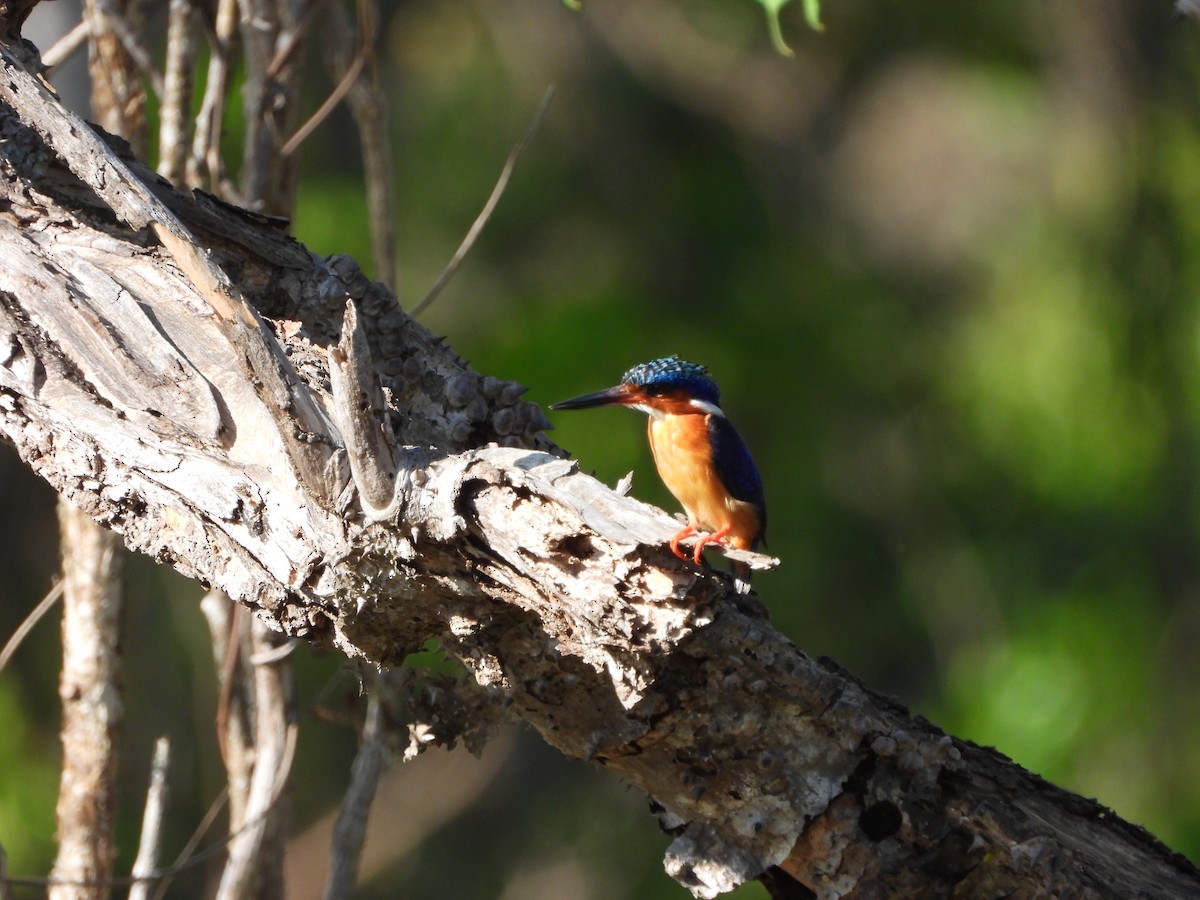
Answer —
150 844
349 833
120 385
93 713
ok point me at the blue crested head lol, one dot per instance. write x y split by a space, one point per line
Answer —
667 385
671 374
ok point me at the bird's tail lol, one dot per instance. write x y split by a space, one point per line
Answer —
741 577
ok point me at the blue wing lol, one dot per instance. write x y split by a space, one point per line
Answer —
735 466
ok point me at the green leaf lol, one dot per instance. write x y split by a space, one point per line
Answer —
772 8
812 13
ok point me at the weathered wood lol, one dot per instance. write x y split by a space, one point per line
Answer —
121 385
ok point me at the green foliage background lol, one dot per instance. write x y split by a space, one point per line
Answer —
944 262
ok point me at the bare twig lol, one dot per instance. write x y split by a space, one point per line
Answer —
92 711
301 134
290 39
176 95
67 45
118 22
274 654
204 166
234 702
258 755
28 624
118 97
233 716
413 802
187 856
272 33
146 862
254 861
369 108
497 192
349 834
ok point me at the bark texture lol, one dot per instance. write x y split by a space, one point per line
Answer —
273 424
92 711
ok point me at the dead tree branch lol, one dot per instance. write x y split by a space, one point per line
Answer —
252 872
92 709
150 844
365 99
349 833
352 481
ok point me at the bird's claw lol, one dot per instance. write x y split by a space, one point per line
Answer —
703 538
683 534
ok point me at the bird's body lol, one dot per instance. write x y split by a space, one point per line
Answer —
683 449
700 456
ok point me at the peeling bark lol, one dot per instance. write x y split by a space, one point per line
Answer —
283 431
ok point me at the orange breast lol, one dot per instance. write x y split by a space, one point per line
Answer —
683 455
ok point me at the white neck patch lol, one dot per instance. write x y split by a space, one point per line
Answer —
650 411
704 406
700 405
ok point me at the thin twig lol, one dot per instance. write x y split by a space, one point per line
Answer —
204 165
189 857
497 192
67 45
335 97
350 831
186 859
254 859
28 623
235 703
118 92
275 654
289 41
146 862
272 34
118 24
227 677
369 108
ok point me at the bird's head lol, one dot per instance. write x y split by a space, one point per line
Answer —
667 386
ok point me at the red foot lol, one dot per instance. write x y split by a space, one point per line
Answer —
717 537
702 539
684 534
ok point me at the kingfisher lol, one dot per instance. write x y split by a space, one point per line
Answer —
700 456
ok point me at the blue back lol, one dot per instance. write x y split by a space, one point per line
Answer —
735 465
674 374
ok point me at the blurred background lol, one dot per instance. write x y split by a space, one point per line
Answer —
944 263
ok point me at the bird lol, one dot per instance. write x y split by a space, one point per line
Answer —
700 456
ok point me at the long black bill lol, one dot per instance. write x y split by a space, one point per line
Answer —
618 394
